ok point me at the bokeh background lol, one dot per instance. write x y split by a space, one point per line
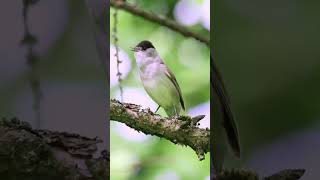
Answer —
138 156
72 82
268 53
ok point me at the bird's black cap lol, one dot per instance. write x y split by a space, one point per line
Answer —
145 45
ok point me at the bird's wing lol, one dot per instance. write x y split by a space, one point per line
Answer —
228 120
173 79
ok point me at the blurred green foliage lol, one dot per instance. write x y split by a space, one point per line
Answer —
189 60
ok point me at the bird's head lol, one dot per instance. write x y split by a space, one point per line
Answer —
144 50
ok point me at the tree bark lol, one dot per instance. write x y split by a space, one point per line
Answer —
182 130
41 154
30 154
288 174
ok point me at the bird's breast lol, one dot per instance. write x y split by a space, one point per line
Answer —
150 71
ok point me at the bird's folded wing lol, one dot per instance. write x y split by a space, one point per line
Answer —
173 79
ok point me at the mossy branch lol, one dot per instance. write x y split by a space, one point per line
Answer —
181 131
185 132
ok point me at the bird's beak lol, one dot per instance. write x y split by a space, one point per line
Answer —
135 49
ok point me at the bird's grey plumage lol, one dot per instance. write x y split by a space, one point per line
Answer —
223 126
158 80
174 81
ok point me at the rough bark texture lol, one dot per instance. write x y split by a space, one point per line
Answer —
185 132
179 131
289 174
41 154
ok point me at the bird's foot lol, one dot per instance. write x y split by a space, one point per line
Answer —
187 119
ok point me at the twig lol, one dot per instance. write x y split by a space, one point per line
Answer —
115 42
29 41
179 131
159 20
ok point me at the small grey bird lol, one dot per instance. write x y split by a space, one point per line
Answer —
158 80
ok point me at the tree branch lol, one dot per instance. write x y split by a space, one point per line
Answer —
184 131
31 154
179 131
159 20
288 174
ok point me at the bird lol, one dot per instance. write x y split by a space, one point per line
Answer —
158 80
162 86
224 128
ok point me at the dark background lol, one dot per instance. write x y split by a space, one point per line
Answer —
72 82
268 53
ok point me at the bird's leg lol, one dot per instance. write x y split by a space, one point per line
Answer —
175 111
157 109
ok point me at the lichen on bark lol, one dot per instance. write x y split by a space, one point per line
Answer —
181 130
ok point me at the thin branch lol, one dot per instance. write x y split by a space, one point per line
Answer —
29 40
179 131
159 20
115 42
